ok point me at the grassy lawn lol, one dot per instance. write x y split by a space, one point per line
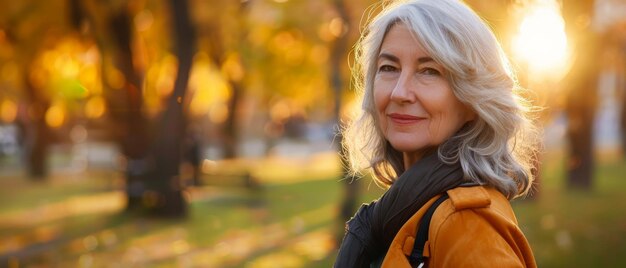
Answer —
287 223
574 228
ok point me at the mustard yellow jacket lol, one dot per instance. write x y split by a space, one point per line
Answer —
475 227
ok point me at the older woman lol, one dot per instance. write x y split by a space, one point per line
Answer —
444 129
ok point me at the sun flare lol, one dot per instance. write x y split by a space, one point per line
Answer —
541 42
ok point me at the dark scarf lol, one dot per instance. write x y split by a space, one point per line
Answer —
372 229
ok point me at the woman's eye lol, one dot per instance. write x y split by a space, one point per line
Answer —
430 71
386 68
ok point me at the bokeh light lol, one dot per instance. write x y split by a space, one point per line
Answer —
55 115
95 107
8 110
540 41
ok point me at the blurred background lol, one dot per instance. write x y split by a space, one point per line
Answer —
202 133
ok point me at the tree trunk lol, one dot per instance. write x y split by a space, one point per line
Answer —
230 126
37 130
134 138
165 179
623 95
125 106
337 82
580 135
581 111
582 96
230 132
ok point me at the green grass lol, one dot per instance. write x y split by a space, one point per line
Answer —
17 192
573 228
291 223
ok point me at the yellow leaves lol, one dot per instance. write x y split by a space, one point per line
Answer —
68 71
115 78
337 27
232 68
64 59
95 107
159 82
330 30
38 77
319 54
144 20
108 238
218 113
280 111
9 71
289 46
8 111
66 65
89 77
166 75
260 35
90 242
315 246
180 246
45 214
55 115
283 40
209 89
280 259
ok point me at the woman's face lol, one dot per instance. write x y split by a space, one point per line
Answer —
415 105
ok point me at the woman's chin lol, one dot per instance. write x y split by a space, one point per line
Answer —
406 147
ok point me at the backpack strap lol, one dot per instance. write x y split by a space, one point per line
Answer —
417 258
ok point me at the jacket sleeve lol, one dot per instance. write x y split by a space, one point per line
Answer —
357 246
352 253
469 238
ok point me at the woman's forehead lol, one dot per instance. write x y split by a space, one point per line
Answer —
401 39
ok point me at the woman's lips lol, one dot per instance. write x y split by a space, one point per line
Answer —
404 119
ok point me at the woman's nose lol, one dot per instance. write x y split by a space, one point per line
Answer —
404 91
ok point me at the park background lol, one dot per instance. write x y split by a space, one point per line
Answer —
202 133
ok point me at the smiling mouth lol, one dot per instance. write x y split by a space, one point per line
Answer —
404 119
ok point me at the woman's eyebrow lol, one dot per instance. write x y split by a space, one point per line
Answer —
393 58
388 56
424 59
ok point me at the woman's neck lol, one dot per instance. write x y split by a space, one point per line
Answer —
411 158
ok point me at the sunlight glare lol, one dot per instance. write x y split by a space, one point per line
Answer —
541 41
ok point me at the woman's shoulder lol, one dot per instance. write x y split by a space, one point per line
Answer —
478 208
475 201
476 224
479 223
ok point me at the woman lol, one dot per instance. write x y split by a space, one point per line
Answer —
440 117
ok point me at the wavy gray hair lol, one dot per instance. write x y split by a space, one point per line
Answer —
497 148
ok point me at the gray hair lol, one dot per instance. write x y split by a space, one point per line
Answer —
498 148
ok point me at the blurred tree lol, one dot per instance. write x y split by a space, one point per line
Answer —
620 29
582 93
337 76
152 160
110 23
28 34
165 177
623 96
227 46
